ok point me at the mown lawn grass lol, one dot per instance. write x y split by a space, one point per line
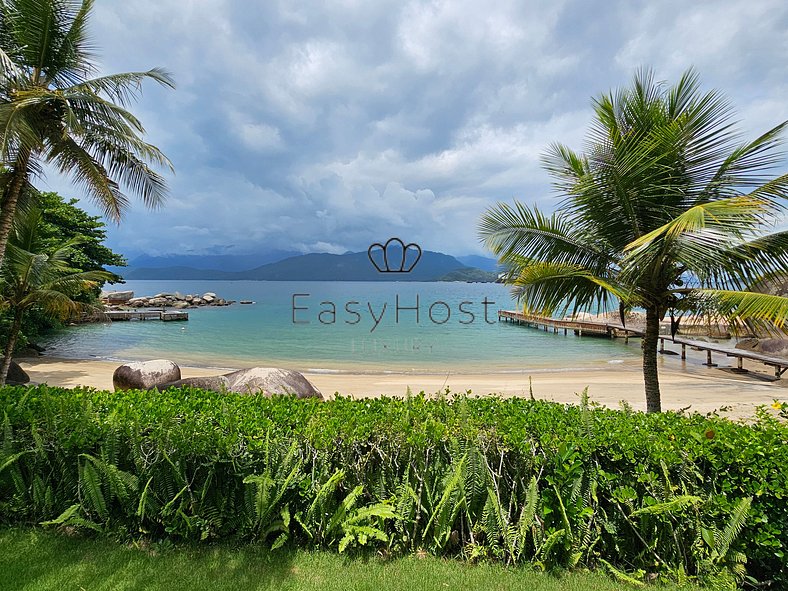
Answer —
32 559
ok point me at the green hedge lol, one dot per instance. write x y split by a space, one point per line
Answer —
654 496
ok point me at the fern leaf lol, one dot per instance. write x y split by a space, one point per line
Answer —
674 505
621 576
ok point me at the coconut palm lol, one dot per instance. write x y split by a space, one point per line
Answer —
32 278
666 210
54 110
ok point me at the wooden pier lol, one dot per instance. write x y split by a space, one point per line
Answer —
578 327
129 315
613 330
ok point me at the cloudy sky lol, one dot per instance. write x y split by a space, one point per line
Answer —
325 126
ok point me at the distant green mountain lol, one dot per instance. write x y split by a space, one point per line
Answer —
180 272
225 262
470 274
480 262
355 266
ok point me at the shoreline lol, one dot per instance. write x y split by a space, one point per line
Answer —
701 389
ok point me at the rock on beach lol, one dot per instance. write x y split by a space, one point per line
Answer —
144 375
270 381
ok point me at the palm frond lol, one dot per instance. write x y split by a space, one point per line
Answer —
71 158
547 287
126 87
747 305
520 231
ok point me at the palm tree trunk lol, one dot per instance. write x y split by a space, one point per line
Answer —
16 325
11 198
650 372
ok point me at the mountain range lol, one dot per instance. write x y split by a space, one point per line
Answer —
351 266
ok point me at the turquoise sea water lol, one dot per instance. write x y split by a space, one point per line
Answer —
375 328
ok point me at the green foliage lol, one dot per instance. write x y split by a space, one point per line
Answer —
661 496
35 276
63 221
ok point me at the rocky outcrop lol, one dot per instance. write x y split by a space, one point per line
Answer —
16 375
777 347
173 300
144 375
774 347
270 381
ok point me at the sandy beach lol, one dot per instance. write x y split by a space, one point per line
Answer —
699 388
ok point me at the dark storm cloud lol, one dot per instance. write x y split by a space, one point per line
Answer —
326 126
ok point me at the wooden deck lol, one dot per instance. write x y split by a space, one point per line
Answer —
613 330
129 315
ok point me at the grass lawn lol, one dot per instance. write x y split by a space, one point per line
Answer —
37 560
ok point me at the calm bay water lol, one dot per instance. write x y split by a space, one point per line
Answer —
340 326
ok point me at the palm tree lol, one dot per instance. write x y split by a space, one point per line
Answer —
53 110
666 211
31 278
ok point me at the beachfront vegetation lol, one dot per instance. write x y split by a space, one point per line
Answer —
642 497
55 110
62 222
666 210
36 275
40 561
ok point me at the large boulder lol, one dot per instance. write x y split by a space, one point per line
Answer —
271 380
16 375
117 297
143 375
776 347
748 344
213 383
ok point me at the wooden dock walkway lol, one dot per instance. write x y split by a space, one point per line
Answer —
128 315
613 330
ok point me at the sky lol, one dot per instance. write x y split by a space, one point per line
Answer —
326 126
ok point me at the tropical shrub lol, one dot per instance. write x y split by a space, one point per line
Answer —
645 497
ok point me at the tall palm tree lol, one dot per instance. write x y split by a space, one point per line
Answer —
666 210
55 110
32 278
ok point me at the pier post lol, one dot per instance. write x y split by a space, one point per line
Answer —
708 359
683 351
